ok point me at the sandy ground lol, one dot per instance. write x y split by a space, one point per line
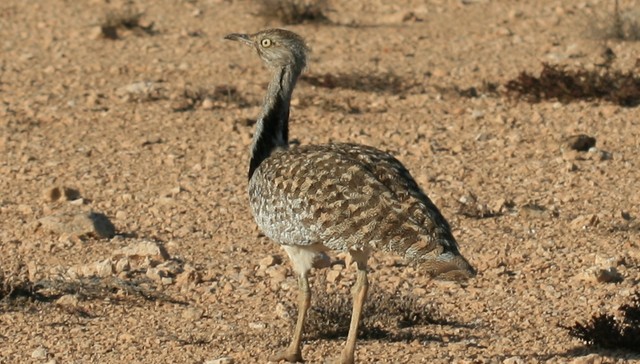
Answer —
151 131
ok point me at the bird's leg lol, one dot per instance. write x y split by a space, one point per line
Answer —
293 353
359 296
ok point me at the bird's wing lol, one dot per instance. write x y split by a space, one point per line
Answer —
347 197
351 197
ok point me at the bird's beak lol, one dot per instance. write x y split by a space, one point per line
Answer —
244 38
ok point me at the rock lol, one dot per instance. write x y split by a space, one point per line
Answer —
504 31
580 142
73 272
282 312
122 265
39 353
588 359
228 288
513 360
25 209
154 274
584 221
603 271
207 104
54 194
571 167
608 275
70 193
605 262
171 268
277 273
333 275
193 314
257 325
188 276
597 154
79 224
223 360
68 300
141 250
32 270
103 269
497 205
121 215
127 338
269 261
182 104
95 32
140 91
77 202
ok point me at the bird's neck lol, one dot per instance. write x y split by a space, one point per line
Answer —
272 130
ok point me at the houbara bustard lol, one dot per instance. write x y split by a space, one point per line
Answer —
342 197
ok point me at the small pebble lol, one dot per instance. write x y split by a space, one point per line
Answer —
39 353
223 360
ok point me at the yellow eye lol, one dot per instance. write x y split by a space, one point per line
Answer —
266 42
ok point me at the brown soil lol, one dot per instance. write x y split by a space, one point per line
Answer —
143 116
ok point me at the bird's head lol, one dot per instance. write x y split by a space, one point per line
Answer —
278 48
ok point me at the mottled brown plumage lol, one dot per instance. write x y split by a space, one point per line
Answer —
342 197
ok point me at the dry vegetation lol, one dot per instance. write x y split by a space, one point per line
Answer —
16 286
388 317
220 96
358 81
608 331
557 82
125 19
289 12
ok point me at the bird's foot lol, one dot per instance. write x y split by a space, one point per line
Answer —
289 355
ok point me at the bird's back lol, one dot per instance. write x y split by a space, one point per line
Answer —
349 197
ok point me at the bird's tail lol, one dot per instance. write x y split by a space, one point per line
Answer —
449 267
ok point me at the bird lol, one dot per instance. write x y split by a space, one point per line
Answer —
341 197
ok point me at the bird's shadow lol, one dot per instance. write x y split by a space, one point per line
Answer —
386 317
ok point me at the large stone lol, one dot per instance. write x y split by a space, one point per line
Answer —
53 194
269 261
103 268
580 142
188 276
80 224
223 360
40 353
141 250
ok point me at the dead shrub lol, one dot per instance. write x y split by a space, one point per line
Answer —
385 316
14 283
359 81
556 82
220 96
290 12
16 288
127 18
607 332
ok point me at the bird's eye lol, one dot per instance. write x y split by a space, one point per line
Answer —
266 42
